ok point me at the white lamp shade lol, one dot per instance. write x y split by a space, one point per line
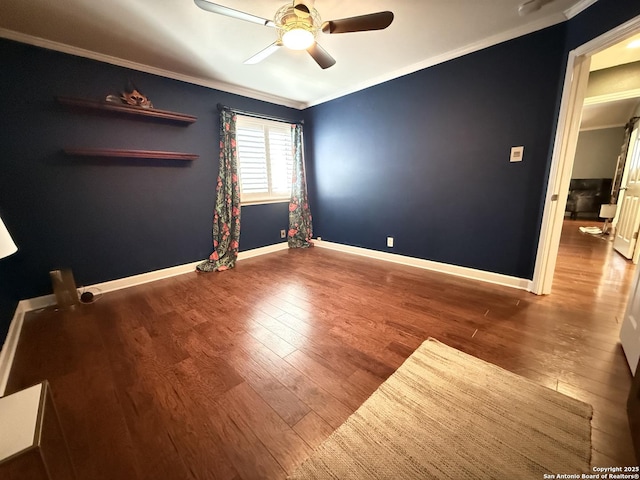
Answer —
608 211
7 247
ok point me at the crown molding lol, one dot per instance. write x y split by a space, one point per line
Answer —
578 8
258 95
209 83
612 97
450 55
602 127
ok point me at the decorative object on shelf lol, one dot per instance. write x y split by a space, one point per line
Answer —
131 96
120 107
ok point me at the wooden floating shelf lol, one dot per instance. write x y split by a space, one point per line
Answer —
116 153
127 109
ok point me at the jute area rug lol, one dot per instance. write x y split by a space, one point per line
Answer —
447 415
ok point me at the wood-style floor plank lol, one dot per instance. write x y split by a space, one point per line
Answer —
238 375
313 429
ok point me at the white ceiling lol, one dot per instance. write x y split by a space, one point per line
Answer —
608 114
175 38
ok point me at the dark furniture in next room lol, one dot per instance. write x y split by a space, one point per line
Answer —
586 195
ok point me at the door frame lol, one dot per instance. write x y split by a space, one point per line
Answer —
564 147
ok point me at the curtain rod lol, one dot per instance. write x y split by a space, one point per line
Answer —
257 115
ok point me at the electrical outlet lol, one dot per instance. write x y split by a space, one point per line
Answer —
389 241
283 234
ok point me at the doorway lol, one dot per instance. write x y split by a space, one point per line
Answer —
605 177
574 94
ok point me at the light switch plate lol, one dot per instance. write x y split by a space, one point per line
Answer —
516 154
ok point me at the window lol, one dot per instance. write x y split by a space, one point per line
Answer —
265 160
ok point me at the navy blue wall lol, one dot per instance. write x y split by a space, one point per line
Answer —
425 158
601 17
107 219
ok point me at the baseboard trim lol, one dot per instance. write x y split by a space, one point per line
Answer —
465 272
255 252
142 278
8 351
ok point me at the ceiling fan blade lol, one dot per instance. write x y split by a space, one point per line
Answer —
531 6
264 53
372 21
321 56
230 12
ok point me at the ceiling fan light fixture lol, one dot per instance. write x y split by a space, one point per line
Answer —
298 39
297 29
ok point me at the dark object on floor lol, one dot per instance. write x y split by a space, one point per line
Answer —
86 297
586 195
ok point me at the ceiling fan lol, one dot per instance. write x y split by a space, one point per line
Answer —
530 6
298 24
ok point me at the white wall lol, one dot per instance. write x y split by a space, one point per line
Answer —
597 153
616 79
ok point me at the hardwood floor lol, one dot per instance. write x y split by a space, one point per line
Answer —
240 374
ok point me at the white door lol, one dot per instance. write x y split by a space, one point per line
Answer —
629 214
630 331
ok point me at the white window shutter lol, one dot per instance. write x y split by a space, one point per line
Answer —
265 159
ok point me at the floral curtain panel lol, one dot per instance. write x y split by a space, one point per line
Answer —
226 217
300 226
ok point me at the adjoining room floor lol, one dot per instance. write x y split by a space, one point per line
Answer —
240 374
